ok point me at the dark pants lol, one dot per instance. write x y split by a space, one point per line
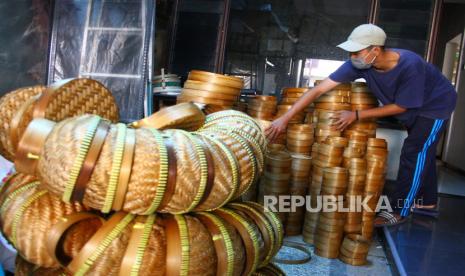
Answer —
417 178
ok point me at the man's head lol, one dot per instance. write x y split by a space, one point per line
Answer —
365 43
362 37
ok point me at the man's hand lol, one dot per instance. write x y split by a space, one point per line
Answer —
277 127
343 119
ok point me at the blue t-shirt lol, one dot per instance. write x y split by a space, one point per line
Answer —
413 84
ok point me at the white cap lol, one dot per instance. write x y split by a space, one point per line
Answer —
364 36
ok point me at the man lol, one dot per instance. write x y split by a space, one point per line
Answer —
410 89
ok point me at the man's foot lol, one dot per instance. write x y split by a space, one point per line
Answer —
388 219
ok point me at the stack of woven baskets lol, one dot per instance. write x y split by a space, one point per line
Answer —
218 92
360 99
262 107
275 180
166 84
300 177
167 194
300 138
288 97
349 166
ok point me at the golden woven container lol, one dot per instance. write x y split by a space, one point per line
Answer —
269 270
333 106
353 152
217 79
236 149
354 250
293 91
325 115
174 244
330 150
280 159
327 243
210 95
275 147
377 143
299 143
10 103
25 268
301 163
340 93
63 99
240 106
219 104
328 98
337 141
300 128
185 116
322 135
28 213
263 107
211 87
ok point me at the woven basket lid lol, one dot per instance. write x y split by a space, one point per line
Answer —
61 100
185 116
10 103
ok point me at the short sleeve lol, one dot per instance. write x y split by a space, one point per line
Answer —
345 73
411 89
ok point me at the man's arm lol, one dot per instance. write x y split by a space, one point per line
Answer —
279 125
383 111
309 97
345 118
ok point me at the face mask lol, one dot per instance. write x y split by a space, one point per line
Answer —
360 63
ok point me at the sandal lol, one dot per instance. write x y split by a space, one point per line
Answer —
388 219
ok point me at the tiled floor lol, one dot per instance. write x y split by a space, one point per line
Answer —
451 182
377 263
429 246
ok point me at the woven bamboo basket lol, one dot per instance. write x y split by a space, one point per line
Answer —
216 79
63 99
297 119
28 213
354 250
309 226
10 103
331 98
333 106
185 116
25 268
127 244
198 171
84 243
269 270
262 107
218 92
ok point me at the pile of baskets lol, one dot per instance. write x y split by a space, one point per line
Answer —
218 92
118 199
262 107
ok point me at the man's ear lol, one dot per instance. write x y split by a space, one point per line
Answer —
377 50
